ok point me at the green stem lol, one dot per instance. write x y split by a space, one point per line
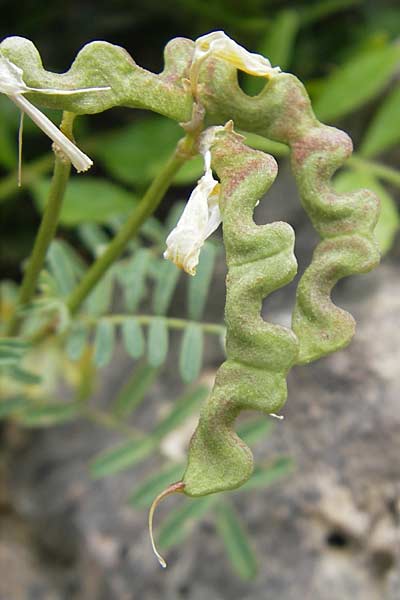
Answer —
143 210
47 229
381 171
172 323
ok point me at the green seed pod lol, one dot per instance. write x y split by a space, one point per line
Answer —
260 260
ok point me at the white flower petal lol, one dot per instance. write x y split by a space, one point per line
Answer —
80 161
12 84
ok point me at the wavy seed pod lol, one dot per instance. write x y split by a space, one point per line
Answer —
260 260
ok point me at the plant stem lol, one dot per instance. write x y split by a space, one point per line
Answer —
172 323
47 229
143 210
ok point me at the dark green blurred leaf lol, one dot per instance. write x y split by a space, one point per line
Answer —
384 131
104 340
166 282
133 338
157 342
144 494
76 341
198 286
135 390
389 221
90 199
236 541
356 82
191 354
49 414
136 153
279 40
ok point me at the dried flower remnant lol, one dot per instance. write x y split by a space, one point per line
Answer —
12 85
218 44
201 216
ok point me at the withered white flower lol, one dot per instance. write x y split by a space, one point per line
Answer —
222 46
201 216
12 84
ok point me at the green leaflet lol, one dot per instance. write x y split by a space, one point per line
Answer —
103 343
157 342
133 338
191 354
87 200
76 341
166 282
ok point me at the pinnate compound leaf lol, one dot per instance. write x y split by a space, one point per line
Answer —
191 354
357 82
198 286
128 454
236 541
133 338
157 342
90 199
384 131
104 340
